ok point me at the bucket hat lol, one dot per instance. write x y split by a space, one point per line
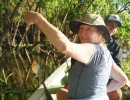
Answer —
92 20
114 18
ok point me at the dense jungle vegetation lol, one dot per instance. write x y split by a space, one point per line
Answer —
19 47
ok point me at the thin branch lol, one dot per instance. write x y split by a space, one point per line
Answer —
66 15
89 6
123 8
17 64
30 6
13 42
29 67
15 9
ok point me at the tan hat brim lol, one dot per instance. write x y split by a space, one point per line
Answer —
74 27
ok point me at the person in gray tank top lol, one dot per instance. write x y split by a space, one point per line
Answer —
89 76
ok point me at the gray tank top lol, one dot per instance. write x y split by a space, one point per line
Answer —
90 80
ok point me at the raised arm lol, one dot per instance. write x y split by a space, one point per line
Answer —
58 39
119 78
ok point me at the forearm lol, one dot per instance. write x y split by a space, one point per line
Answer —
119 78
56 37
80 52
113 85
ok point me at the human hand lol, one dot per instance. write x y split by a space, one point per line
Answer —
30 17
127 86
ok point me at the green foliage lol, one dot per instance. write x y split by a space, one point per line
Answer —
126 66
5 78
123 33
126 69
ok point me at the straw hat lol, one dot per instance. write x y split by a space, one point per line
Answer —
93 20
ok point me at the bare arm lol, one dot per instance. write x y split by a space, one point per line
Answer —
81 52
119 78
